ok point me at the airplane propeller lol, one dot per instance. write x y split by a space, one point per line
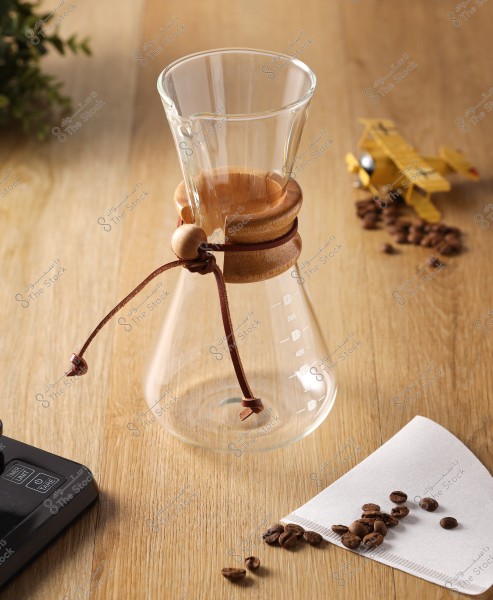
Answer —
354 166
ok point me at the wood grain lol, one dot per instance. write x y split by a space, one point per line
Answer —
112 552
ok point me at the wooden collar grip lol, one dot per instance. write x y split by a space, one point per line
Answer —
244 227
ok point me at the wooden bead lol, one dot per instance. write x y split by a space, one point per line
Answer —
186 241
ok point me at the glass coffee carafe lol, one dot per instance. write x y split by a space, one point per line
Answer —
237 116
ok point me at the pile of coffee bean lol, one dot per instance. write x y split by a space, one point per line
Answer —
446 240
288 536
371 529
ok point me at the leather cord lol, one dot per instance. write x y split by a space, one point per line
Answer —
205 263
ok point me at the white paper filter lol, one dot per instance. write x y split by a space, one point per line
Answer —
423 460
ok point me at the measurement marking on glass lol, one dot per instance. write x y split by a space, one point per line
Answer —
286 340
274 305
304 328
300 411
303 370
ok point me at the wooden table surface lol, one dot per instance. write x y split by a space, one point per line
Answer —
65 187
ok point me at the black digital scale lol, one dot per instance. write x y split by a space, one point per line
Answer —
40 495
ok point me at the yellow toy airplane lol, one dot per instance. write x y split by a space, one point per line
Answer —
388 160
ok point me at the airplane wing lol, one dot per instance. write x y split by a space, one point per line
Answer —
404 156
458 162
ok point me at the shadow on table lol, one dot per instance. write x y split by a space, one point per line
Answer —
56 556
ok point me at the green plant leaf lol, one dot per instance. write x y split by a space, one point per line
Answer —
29 97
85 46
57 42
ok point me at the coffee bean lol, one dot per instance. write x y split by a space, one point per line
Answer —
277 528
389 520
312 537
448 522
399 512
371 514
370 506
233 573
391 210
380 527
400 238
426 241
367 211
429 504
445 249
369 223
439 227
340 529
453 239
358 529
368 523
398 497
387 248
252 563
288 539
435 238
372 540
296 529
271 536
456 245
351 541
414 238
455 231
434 262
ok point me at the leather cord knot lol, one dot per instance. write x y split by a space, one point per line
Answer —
252 405
204 264
79 366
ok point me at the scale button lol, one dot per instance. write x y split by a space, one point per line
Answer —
17 474
42 482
